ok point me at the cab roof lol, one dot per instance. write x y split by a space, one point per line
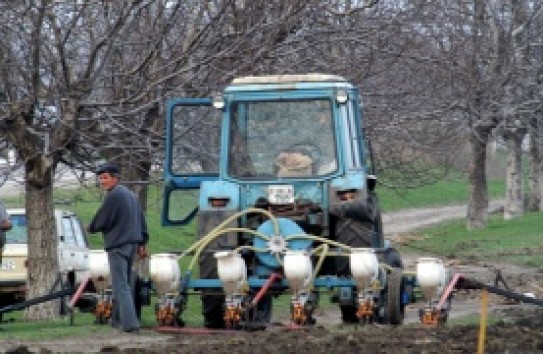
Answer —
282 79
272 83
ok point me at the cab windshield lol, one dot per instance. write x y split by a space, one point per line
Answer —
281 139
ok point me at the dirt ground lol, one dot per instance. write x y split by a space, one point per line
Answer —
519 328
523 333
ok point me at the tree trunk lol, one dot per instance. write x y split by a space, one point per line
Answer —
42 233
477 213
140 175
514 205
534 179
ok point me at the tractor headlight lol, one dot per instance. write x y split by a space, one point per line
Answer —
218 202
347 195
218 102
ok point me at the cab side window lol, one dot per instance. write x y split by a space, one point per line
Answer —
78 232
69 234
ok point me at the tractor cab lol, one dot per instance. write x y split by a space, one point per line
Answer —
290 143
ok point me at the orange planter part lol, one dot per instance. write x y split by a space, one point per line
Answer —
232 316
299 316
365 310
165 316
103 309
431 318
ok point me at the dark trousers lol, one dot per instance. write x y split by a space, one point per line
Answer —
120 265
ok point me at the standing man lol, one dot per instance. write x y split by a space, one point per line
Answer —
5 225
122 223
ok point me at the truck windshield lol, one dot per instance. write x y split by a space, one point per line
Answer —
18 232
281 139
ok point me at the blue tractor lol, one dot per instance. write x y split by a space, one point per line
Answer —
277 172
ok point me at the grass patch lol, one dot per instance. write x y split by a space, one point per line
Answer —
446 192
473 320
518 241
15 326
49 330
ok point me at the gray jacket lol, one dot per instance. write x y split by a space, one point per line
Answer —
120 219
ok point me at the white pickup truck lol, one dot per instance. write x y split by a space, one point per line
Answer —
73 253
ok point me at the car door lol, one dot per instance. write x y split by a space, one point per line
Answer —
13 268
82 251
73 251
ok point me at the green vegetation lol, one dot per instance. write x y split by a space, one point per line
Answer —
518 241
40 330
473 320
446 192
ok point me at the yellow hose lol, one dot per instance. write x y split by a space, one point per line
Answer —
226 222
318 238
323 255
218 231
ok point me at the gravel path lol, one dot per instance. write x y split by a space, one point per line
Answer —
402 221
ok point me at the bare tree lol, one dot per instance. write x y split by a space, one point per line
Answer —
529 49
54 56
519 104
106 69
436 73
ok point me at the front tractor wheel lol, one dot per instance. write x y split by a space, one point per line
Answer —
354 234
212 300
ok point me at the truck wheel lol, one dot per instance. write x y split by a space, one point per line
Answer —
395 307
354 234
67 282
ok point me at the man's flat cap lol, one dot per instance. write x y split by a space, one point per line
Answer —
108 167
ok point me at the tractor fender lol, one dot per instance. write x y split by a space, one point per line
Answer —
361 209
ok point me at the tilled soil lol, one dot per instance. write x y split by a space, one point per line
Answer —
521 333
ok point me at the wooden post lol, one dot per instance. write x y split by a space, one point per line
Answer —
482 322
